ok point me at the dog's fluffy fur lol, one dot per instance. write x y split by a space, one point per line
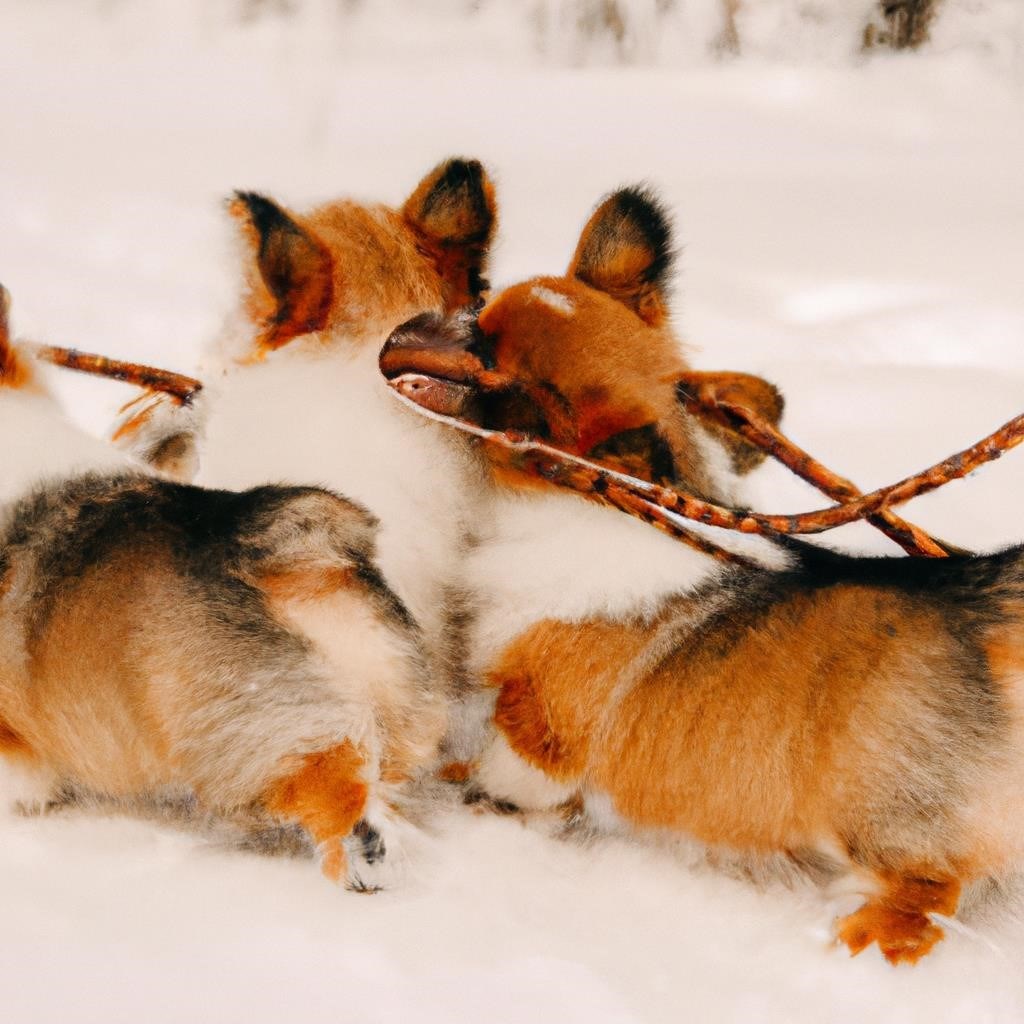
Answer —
295 393
864 713
162 640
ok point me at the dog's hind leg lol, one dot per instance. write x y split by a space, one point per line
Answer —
325 793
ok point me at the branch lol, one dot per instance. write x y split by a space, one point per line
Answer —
588 479
177 385
599 483
701 396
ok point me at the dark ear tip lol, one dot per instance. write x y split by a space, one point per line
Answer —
260 210
458 174
252 203
642 204
641 207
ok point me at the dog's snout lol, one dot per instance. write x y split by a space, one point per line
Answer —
430 342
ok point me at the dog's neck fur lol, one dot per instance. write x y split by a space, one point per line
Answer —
40 444
555 555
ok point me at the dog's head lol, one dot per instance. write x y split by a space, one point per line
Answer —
351 270
587 361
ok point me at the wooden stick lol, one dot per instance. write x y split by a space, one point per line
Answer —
183 389
589 479
549 463
989 448
700 396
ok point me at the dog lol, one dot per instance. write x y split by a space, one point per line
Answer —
865 715
162 642
295 393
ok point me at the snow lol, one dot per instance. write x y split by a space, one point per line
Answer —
853 229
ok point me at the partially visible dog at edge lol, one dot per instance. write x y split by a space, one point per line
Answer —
857 716
163 642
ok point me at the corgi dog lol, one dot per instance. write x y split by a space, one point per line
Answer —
161 641
861 714
294 393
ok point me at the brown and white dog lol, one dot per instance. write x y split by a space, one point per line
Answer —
294 393
159 640
865 714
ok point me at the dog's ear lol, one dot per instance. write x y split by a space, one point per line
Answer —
454 215
626 251
5 325
14 371
742 389
293 284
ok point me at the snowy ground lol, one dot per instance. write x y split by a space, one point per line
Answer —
854 233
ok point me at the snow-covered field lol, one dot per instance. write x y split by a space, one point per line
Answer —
854 231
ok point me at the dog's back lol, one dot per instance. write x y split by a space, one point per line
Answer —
147 637
159 637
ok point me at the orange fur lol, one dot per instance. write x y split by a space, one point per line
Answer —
325 793
11 743
350 270
304 584
456 771
16 369
748 689
81 671
898 918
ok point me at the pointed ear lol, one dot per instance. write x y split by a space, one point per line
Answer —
764 400
454 214
13 370
5 323
293 285
626 251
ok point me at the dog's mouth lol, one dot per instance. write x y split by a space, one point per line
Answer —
437 394
440 364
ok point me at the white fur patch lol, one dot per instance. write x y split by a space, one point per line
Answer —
553 300
559 556
25 786
503 774
331 421
39 444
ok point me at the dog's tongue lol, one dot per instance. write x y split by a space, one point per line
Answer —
442 396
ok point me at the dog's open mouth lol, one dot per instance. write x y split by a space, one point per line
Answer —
447 397
433 361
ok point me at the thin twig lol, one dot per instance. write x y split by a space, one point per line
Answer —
177 385
700 396
589 478
592 481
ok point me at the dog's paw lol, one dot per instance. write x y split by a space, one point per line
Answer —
903 937
375 850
